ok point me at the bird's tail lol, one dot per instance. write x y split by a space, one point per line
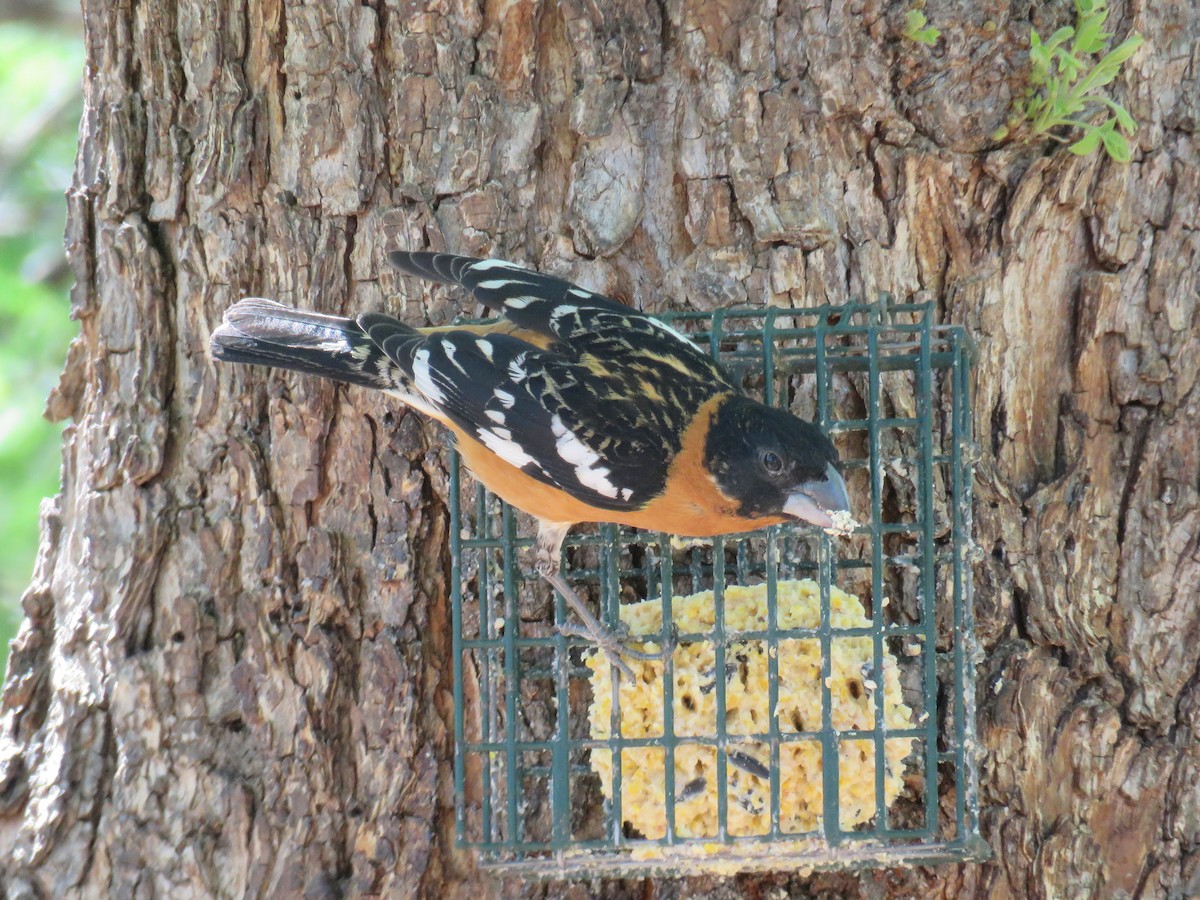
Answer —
266 333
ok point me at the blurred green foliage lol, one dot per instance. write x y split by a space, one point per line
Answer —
40 104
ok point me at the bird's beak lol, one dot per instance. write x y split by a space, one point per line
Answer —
815 501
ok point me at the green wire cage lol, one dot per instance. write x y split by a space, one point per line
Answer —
842 732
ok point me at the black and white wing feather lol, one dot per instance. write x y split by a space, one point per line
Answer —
536 410
549 306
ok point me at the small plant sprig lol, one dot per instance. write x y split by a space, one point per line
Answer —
1067 73
918 29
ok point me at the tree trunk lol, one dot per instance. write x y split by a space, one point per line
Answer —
233 678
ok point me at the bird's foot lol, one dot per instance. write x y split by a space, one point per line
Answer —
611 643
617 645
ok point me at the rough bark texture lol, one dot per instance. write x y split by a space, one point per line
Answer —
233 678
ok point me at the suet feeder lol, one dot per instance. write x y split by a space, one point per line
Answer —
818 708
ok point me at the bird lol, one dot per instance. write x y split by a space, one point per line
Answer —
569 406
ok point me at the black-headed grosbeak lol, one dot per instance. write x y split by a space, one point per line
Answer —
571 407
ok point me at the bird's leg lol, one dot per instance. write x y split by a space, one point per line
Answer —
592 628
547 554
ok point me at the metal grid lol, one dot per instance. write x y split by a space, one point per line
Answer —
892 389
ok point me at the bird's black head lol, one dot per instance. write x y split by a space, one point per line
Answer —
772 463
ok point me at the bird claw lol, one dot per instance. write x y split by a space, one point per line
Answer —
670 638
611 643
617 646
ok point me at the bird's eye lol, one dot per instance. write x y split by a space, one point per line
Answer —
772 462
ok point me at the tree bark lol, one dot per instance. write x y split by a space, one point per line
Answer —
233 677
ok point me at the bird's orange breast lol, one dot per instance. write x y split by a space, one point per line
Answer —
691 503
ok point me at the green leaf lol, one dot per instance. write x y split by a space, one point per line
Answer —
1124 50
1116 145
1124 119
1063 34
1070 105
1068 64
1088 143
1090 36
1100 76
1038 53
915 28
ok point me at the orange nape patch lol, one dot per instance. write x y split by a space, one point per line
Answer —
691 503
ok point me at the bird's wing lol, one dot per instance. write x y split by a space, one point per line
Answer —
550 306
595 432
